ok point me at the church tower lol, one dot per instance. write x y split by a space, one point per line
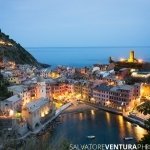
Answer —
41 88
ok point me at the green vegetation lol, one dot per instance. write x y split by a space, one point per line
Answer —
4 93
145 109
79 76
132 80
15 52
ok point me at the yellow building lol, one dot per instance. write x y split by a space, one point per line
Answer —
37 111
132 58
145 90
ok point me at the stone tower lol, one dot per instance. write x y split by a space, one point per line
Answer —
131 57
41 88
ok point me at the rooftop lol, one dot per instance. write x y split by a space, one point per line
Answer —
33 106
49 80
47 70
103 87
17 88
122 87
13 99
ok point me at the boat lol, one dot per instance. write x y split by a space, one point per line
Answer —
91 137
128 138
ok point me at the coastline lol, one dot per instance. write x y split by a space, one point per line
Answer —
79 108
43 126
70 108
130 119
86 106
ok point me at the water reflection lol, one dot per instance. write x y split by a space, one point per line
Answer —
92 114
81 116
108 128
139 132
108 118
121 121
85 116
129 128
122 126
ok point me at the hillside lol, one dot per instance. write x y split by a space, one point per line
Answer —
13 51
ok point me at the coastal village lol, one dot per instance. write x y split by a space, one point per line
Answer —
39 95
75 75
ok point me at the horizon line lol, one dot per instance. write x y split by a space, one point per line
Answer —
84 46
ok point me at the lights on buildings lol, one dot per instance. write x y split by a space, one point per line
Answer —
117 77
120 108
129 107
5 43
78 96
140 75
46 112
42 114
92 99
131 59
132 70
122 59
140 60
54 75
145 90
108 102
11 113
84 96
18 115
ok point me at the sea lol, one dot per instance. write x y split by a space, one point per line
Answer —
85 56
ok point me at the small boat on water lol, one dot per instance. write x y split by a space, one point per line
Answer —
128 138
91 137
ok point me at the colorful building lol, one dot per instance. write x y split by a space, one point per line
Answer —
37 111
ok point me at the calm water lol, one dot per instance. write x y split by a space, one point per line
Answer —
108 128
86 55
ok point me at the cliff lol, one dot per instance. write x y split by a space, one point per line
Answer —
13 51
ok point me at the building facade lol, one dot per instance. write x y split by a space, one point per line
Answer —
37 111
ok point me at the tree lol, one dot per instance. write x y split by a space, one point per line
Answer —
145 109
4 93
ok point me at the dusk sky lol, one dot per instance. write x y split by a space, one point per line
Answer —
75 23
